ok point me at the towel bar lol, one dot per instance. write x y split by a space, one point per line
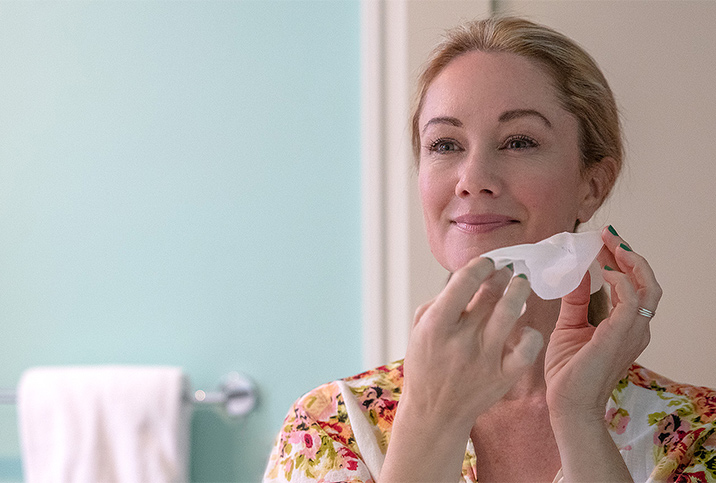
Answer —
236 393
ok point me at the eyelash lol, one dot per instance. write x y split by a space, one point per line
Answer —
519 137
434 147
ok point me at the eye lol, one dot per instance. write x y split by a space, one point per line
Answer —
519 142
444 146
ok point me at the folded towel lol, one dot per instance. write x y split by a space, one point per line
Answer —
104 424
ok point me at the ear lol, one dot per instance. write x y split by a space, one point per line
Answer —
597 183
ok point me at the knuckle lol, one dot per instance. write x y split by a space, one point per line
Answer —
420 311
492 289
645 339
509 307
465 276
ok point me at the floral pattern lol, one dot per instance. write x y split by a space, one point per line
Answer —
649 417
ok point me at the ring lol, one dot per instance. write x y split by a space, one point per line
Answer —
645 312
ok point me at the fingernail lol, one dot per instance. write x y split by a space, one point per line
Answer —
511 266
626 247
607 267
488 258
522 275
612 230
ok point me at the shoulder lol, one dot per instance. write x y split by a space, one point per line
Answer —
317 439
380 386
377 387
700 400
676 423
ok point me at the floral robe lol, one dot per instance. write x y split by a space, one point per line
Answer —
666 432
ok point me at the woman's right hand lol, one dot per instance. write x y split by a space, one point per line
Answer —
459 362
461 359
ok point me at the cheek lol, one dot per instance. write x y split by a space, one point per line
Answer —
557 197
434 194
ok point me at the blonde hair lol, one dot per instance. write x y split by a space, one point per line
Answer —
581 87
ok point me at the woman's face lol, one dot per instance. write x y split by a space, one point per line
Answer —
499 158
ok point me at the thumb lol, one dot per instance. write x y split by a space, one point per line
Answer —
575 306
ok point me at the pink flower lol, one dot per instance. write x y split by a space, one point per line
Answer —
307 443
618 420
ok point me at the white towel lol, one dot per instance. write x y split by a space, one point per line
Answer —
104 424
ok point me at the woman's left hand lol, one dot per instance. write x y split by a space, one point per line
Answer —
583 363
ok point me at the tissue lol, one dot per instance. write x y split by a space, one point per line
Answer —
555 266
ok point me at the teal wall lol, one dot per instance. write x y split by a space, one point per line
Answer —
179 184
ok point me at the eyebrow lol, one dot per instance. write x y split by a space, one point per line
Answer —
504 117
517 113
452 121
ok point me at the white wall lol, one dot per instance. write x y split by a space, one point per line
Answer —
659 60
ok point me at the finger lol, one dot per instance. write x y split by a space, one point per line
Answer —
626 260
461 288
575 306
642 277
505 314
421 310
524 353
612 241
624 290
624 321
614 244
606 258
489 293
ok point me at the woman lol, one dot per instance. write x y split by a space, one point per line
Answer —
517 138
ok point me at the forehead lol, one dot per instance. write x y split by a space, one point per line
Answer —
482 83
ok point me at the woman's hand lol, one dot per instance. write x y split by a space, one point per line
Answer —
583 364
459 362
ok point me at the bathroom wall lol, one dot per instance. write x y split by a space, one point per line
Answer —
656 56
179 184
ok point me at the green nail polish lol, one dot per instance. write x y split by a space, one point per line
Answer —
511 266
607 267
522 275
612 230
626 247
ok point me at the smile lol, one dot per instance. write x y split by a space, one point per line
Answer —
482 223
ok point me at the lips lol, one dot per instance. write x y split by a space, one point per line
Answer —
482 223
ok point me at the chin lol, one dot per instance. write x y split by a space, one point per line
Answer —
456 257
459 259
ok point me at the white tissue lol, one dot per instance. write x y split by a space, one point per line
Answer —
554 266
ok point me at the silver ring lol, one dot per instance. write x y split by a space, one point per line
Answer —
645 312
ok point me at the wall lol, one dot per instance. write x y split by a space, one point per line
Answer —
179 184
657 58
400 272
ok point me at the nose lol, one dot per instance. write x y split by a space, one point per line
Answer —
479 175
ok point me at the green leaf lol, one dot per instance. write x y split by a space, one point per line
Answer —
654 418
